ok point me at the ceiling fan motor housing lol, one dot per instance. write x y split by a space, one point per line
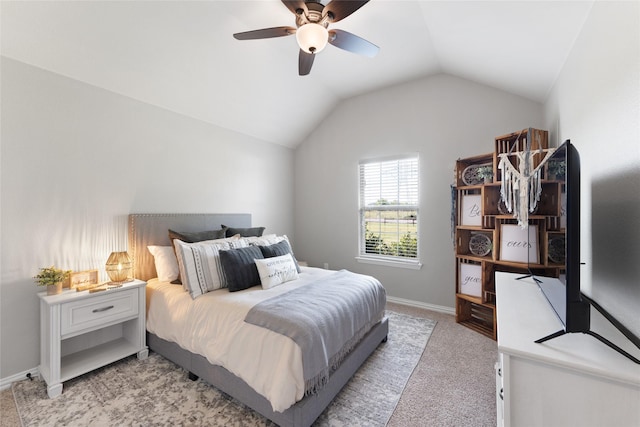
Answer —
314 15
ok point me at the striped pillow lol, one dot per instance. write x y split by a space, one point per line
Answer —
267 239
199 264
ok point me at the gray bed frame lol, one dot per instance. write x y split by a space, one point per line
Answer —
152 229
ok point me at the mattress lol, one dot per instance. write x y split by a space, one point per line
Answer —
213 326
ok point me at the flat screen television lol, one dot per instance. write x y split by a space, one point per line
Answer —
564 294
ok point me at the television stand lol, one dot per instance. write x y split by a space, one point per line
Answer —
595 335
551 336
533 276
619 326
538 384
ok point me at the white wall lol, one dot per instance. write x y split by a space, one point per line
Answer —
441 117
596 103
76 160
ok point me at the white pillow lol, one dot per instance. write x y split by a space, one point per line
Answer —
266 240
199 264
276 270
166 262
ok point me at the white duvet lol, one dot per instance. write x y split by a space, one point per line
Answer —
213 326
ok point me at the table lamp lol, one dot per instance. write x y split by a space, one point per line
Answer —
119 267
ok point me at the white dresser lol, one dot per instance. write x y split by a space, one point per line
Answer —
82 331
572 380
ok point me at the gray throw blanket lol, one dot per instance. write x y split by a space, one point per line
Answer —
326 318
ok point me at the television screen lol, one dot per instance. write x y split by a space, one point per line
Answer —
564 293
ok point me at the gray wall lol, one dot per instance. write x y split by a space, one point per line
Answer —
596 104
443 118
76 160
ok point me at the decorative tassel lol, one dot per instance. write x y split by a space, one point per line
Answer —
520 190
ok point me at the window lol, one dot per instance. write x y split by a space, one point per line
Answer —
389 211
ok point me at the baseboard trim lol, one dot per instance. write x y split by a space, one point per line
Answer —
418 304
5 383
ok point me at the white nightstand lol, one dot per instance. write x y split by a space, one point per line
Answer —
82 331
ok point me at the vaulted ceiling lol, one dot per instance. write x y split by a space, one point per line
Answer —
181 56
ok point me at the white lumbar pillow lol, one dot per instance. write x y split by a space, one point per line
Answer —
165 262
276 270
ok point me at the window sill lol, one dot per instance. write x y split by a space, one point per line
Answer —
410 264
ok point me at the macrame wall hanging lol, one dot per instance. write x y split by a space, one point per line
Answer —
521 187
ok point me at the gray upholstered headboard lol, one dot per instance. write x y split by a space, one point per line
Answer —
153 229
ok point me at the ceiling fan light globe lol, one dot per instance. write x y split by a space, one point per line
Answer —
312 38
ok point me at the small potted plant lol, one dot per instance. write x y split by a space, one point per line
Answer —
486 173
52 278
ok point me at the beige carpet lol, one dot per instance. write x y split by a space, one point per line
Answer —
452 385
8 413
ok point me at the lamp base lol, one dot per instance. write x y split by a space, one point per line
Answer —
113 283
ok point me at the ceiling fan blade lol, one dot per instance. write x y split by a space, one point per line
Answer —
352 43
305 61
295 5
265 33
340 9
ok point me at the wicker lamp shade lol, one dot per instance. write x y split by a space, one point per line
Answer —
119 266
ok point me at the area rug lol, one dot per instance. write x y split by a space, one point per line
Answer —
156 392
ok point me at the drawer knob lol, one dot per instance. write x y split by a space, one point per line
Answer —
99 310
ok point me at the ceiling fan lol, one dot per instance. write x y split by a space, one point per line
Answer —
312 20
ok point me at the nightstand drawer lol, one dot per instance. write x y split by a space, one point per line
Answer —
87 313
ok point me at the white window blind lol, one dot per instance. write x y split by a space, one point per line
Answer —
389 208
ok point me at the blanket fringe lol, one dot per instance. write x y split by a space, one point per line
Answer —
315 384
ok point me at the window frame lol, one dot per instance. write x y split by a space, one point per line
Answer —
387 260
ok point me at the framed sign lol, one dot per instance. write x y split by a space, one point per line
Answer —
82 278
519 244
470 277
471 212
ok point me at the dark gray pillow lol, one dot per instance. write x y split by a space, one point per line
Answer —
197 236
279 249
240 268
244 232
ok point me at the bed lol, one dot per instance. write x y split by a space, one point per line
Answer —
152 230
